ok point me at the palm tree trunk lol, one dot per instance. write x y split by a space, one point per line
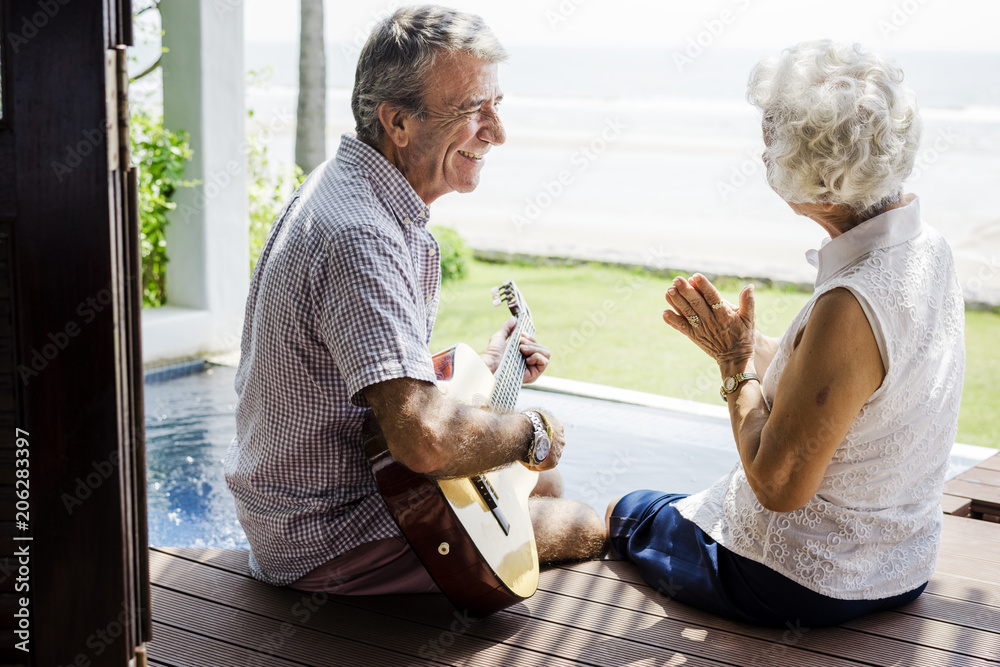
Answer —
310 128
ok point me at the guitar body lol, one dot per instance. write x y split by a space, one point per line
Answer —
478 565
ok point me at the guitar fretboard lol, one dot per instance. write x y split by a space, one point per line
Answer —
510 373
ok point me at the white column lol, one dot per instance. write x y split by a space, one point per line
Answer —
207 238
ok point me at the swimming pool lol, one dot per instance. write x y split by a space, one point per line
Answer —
612 448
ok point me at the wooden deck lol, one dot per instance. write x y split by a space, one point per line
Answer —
207 610
976 492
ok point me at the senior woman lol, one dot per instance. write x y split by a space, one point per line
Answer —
844 425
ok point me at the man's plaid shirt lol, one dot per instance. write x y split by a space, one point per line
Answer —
344 296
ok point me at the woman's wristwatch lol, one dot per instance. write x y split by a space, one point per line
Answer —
542 441
730 384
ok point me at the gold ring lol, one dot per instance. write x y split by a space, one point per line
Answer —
694 321
716 306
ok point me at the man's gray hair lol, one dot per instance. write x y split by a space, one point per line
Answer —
840 125
398 54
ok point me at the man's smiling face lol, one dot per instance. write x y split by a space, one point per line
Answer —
445 152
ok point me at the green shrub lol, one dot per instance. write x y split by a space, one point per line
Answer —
455 254
267 189
268 185
160 155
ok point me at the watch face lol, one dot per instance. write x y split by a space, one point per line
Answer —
542 446
730 384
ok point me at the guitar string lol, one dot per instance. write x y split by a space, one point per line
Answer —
513 362
511 373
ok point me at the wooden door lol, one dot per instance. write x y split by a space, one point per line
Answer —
71 413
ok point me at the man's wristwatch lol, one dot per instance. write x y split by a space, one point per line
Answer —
542 442
730 384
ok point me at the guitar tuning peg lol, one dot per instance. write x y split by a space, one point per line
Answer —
496 296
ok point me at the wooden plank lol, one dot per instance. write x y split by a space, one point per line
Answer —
974 490
261 638
180 648
992 463
876 645
334 617
974 547
939 642
571 639
966 613
981 476
544 635
961 588
985 511
617 570
971 568
957 530
955 505
663 629
908 637
233 560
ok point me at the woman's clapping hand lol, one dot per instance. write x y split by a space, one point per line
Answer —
725 332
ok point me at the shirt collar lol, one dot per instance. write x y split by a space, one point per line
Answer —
390 185
883 231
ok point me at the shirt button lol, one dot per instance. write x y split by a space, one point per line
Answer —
427 299
406 221
430 251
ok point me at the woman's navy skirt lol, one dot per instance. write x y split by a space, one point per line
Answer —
678 559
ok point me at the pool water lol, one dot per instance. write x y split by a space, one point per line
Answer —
612 448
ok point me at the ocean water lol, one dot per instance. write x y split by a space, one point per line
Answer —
620 155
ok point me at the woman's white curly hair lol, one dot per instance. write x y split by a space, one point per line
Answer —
840 125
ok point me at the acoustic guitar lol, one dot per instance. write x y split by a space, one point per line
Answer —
473 534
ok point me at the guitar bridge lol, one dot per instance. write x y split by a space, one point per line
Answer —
491 498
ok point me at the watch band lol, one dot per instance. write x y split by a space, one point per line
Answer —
542 429
732 383
545 422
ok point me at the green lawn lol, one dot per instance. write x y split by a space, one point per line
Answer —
604 325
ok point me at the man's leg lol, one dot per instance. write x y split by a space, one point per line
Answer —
549 484
382 567
566 530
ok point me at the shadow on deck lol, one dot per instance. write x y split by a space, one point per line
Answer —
207 610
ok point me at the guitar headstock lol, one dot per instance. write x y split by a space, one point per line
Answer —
509 293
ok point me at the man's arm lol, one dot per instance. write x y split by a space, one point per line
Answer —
429 433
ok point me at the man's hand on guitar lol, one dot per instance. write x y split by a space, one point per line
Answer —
536 355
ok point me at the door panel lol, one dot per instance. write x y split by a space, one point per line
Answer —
73 275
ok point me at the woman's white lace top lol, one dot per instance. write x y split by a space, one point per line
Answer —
873 527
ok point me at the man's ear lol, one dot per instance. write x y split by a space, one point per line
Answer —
393 121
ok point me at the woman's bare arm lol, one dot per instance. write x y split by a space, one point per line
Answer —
833 370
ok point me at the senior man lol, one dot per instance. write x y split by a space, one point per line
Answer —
339 318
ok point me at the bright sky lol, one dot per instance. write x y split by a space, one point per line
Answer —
901 25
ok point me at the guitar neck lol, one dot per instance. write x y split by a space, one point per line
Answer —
510 373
